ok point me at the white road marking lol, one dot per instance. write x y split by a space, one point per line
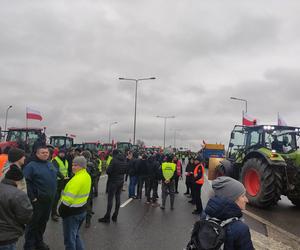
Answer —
126 202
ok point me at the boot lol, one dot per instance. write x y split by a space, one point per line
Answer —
114 218
104 220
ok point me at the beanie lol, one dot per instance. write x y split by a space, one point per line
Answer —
86 154
80 161
14 173
15 154
228 187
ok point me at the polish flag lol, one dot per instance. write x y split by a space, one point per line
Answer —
33 114
281 121
248 120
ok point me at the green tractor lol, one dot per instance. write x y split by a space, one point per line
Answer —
266 160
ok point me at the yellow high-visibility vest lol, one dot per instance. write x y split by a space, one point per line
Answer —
77 190
63 167
168 169
108 160
100 165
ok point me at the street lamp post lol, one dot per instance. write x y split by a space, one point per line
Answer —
165 125
135 99
9 107
109 130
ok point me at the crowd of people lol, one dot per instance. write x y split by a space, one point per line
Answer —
64 184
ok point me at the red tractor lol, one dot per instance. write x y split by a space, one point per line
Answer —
23 138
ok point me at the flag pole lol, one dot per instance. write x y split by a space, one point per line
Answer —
243 113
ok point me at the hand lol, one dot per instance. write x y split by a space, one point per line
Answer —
167 181
34 200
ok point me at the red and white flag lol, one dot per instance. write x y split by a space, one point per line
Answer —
33 114
280 121
248 120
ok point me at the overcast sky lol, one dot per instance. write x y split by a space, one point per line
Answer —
64 59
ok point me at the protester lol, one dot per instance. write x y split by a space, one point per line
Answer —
4 161
178 173
16 158
198 182
132 164
168 169
41 182
189 172
115 171
143 176
15 209
229 201
153 169
92 170
62 165
73 204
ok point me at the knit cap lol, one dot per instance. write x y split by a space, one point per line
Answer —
80 161
15 154
14 173
228 187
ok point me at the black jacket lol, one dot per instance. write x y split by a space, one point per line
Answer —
15 212
142 168
117 169
153 169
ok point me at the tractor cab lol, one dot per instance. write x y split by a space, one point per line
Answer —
61 142
91 146
266 159
124 146
277 139
23 138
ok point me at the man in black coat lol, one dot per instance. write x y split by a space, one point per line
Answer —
115 171
15 208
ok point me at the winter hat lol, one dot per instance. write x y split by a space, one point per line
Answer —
80 161
14 173
15 154
86 154
228 187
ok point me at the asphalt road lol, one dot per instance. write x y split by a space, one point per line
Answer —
285 215
139 226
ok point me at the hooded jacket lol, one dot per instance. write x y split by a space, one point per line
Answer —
117 169
15 212
237 232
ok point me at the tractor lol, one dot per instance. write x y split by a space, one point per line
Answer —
124 147
65 142
266 159
23 138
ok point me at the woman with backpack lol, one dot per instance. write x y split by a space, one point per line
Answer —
223 215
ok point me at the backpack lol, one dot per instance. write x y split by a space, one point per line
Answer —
209 234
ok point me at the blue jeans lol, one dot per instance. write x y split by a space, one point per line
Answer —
132 184
11 246
71 226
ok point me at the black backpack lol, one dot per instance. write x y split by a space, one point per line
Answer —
209 234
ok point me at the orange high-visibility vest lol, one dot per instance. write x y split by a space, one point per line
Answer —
201 180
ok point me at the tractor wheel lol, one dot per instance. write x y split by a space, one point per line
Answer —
263 184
